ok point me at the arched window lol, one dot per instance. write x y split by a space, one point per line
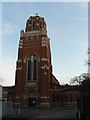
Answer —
32 67
41 24
33 24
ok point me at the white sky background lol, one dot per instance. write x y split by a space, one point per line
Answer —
68 43
45 1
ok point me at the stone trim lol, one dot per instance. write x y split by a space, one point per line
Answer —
43 38
45 66
45 103
20 46
21 40
45 97
21 43
44 41
43 45
24 61
32 33
42 67
45 73
31 84
44 59
19 68
17 97
20 60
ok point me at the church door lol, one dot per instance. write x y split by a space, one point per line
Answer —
31 102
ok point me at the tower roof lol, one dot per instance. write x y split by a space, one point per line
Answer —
35 23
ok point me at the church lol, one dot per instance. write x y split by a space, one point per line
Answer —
35 84
34 78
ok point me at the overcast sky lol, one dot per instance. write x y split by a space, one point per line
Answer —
67 26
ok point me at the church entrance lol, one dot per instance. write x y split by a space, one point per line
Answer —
31 102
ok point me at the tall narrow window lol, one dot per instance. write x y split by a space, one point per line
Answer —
33 24
29 69
35 70
41 24
32 70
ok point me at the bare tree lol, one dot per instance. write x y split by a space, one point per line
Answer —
84 76
78 79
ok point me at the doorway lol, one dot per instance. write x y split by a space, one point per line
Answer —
31 102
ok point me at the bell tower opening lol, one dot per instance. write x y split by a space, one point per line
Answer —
33 24
41 24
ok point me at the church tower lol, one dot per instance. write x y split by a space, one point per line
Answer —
33 69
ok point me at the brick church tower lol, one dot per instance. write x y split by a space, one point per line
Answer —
34 69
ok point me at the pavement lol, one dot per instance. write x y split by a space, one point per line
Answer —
61 113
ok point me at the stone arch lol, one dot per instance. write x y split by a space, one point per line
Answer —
26 57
